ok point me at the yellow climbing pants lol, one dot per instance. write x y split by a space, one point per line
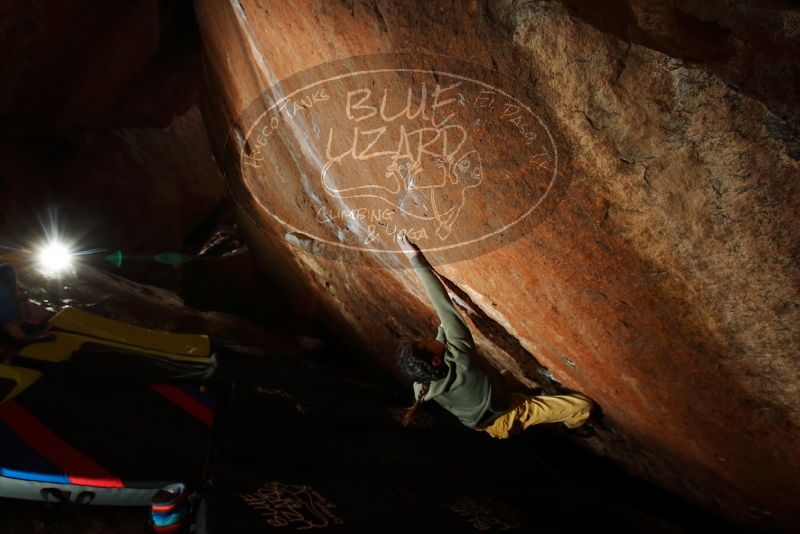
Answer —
526 410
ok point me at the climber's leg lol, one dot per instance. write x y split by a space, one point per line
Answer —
527 410
572 410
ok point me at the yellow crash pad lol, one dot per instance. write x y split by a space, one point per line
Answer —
65 344
22 377
96 326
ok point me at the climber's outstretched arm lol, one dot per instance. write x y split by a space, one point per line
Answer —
455 329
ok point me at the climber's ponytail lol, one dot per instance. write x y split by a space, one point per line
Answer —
416 363
408 414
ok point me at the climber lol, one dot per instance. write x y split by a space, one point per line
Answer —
444 370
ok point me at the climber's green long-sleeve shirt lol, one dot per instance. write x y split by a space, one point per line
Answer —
475 395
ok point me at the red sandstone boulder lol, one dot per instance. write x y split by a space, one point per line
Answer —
660 278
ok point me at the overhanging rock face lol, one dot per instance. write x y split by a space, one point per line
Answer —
658 271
